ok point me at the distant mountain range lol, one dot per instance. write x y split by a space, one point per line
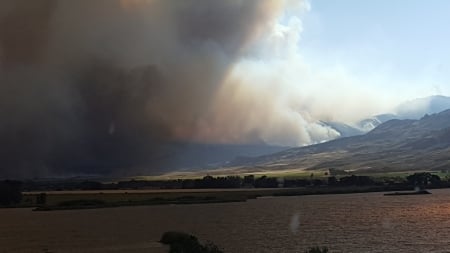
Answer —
413 109
417 108
395 145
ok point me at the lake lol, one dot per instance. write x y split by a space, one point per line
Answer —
368 222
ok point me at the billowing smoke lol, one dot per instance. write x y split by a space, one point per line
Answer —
101 84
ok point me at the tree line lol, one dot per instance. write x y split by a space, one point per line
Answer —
11 191
248 181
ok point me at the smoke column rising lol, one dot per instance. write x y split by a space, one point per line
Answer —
93 85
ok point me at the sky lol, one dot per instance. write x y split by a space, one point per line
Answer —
399 47
109 83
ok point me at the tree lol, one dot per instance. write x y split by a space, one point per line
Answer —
249 181
435 180
356 180
332 180
420 179
266 182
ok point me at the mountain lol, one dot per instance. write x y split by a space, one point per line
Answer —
417 108
395 145
343 129
367 125
361 127
413 109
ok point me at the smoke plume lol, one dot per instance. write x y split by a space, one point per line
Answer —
98 85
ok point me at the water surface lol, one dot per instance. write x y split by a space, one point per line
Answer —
368 222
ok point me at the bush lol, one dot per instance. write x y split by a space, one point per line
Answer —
185 243
317 250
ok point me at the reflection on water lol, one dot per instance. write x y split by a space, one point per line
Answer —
367 222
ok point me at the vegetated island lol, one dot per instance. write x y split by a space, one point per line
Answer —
81 194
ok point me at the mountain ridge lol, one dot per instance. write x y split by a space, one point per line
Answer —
398 144
412 109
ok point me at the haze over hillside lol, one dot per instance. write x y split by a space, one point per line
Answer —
412 109
417 108
396 145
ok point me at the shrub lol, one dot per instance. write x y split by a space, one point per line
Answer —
185 243
317 250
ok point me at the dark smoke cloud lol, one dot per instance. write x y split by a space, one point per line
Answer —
100 85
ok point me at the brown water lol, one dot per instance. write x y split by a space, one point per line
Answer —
366 222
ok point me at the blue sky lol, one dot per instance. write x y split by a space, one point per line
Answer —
403 44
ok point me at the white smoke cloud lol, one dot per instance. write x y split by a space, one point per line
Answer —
273 93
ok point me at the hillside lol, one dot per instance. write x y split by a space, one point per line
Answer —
413 109
394 145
